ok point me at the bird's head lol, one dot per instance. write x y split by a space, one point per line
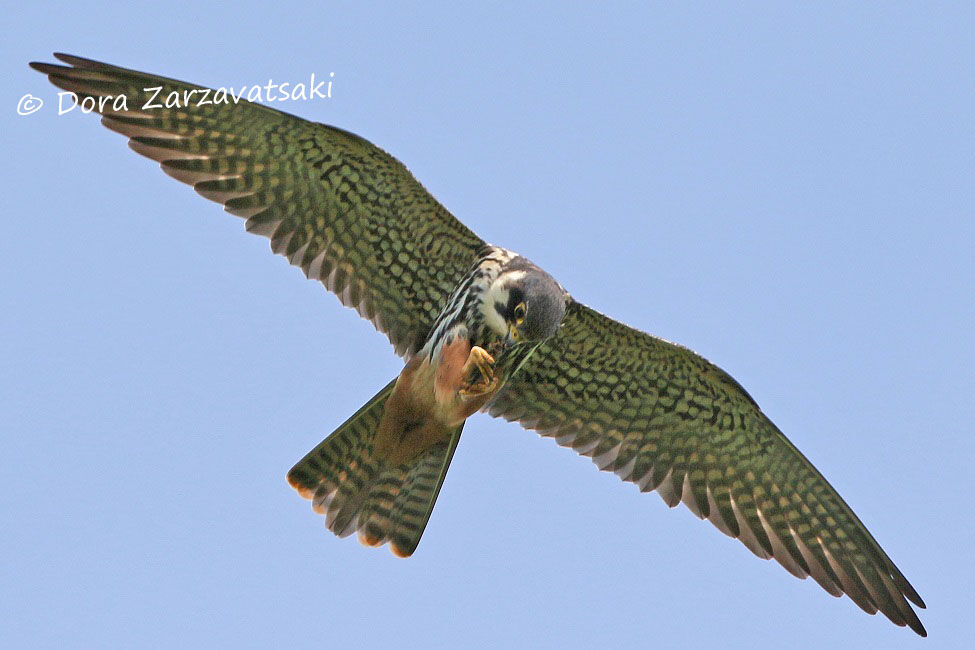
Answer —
524 304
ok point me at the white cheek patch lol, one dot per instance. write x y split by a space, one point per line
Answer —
492 318
498 293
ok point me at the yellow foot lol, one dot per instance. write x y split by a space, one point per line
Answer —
478 373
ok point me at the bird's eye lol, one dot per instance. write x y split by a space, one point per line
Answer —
520 311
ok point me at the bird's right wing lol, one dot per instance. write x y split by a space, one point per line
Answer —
343 210
663 417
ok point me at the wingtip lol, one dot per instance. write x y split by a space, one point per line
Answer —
910 593
71 59
912 620
915 624
76 61
40 66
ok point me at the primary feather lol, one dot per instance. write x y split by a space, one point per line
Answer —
658 415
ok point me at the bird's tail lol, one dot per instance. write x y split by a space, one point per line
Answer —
357 492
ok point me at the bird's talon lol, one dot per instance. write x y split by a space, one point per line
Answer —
484 379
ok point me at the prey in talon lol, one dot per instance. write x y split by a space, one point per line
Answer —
466 316
402 439
479 373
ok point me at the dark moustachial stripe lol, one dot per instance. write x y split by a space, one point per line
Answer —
656 414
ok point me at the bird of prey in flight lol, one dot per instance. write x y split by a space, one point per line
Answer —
481 328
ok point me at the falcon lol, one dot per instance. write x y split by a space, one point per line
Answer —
481 328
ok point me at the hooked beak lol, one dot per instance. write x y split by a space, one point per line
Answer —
513 335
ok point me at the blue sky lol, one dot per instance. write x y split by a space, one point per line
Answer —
787 191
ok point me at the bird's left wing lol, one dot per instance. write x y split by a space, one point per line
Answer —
663 417
342 209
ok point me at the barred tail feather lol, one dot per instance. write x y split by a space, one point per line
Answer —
340 466
402 498
356 492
